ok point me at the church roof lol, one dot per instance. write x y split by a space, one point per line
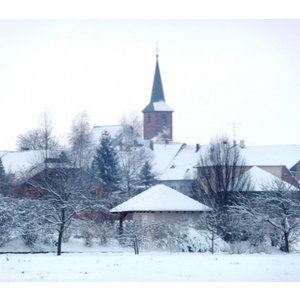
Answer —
160 198
157 101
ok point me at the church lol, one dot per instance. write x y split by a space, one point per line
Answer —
175 163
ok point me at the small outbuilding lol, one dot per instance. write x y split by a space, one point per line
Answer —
160 203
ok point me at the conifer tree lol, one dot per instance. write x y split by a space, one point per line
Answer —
147 178
105 164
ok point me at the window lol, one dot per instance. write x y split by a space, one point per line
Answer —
149 118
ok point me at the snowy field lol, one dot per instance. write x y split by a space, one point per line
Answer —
115 264
150 267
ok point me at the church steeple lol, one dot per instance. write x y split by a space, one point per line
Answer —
157 114
157 88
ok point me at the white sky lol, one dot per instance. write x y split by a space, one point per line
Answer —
214 72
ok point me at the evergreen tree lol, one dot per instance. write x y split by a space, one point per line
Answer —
147 178
3 180
105 164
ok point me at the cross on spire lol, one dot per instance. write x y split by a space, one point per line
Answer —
156 49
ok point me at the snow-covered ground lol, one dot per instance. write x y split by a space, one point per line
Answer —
150 267
98 264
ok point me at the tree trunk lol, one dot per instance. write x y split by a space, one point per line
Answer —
61 231
59 242
286 241
136 245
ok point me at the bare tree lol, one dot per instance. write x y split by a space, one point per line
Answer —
221 177
133 120
41 137
65 193
132 156
276 210
132 160
221 173
80 140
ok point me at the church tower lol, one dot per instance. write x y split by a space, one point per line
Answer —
158 121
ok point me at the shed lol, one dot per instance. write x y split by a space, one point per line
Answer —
160 203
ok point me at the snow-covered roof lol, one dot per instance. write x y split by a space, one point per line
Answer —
98 130
160 198
253 157
163 154
284 155
177 161
182 165
161 106
262 180
17 161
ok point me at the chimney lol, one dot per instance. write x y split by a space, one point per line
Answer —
242 144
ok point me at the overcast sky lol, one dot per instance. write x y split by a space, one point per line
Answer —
214 72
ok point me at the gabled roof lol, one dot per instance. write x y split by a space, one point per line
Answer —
157 101
285 155
160 198
182 165
263 181
18 161
113 130
163 154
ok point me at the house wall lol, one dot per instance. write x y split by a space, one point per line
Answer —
281 172
155 121
296 169
148 218
288 177
274 170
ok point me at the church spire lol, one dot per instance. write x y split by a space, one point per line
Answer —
157 94
158 114
157 87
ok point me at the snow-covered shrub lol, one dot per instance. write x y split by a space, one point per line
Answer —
165 236
242 247
8 220
203 241
185 235
92 231
88 231
134 235
29 238
239 247
105 232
